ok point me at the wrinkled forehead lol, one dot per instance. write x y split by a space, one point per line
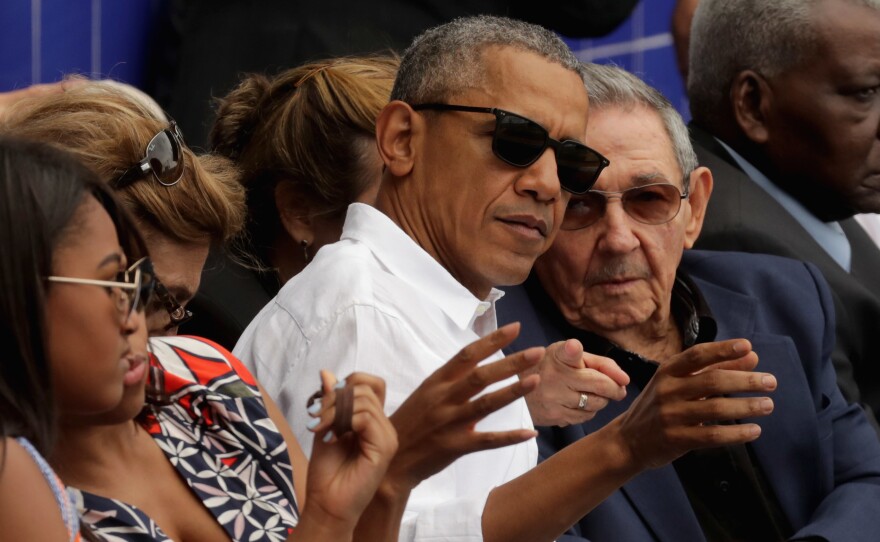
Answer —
636 142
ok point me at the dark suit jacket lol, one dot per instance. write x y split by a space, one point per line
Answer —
820 455
743 217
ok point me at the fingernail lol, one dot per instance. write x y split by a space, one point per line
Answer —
766 405
740 346
315 408
313 423
328 437
755 430
339 385
768 381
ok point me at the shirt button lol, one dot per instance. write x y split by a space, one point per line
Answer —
482 308
724 486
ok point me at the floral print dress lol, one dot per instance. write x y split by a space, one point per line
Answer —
213 427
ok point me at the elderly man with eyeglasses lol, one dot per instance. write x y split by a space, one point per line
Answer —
619 279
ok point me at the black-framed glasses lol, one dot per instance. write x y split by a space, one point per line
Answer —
131 291
163 158
178 314
519 142
654 204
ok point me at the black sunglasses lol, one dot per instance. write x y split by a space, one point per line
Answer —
163 159
178 314
519 142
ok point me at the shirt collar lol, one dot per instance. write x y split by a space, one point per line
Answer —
829 235
406 260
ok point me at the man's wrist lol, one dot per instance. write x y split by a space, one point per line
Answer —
393 489
621 458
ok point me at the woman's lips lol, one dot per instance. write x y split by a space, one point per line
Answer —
136 369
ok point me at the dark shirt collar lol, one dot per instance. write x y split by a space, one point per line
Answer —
689 309
726 487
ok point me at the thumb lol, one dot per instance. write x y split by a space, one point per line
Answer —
570 352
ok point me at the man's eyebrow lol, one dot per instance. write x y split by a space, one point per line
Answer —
653 177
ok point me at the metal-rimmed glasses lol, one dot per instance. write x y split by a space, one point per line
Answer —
177 313
163 158
653 204
520 142
131 293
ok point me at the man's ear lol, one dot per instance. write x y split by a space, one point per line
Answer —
294 212
394 136
700 190
751 98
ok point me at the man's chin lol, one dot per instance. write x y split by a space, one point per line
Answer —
609 320
512 276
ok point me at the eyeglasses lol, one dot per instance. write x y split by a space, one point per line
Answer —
178 314
649 204
163 158
131 292
519 142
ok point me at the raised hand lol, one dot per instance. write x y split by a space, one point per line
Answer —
566 373
435 425
679 409
346 468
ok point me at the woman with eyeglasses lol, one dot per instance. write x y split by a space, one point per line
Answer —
182 204
73 327
66 314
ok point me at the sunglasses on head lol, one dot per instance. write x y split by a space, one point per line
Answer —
519 142
652 204
163 159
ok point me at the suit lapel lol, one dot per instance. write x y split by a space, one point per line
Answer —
790 479
742 206
655 495
865 255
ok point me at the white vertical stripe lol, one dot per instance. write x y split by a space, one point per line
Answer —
96 39
638 33
36 40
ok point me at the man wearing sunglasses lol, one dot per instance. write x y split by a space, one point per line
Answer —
619 279
483 144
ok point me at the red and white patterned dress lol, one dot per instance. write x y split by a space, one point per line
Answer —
214 429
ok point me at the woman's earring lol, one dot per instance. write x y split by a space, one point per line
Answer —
305 245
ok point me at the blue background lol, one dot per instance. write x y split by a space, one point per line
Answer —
43 40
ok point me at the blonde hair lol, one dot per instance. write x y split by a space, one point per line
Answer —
313 126
109 130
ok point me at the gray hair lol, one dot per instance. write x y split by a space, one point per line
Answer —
447 59
610 86
729 36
